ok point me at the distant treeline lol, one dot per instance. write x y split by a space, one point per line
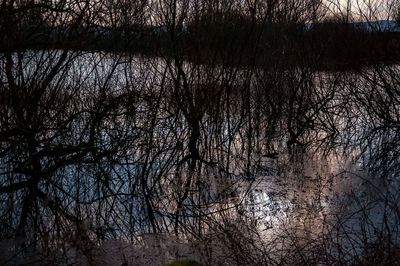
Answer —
214 39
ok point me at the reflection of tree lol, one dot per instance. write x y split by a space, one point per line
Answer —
98 146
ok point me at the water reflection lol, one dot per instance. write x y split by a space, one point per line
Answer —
129 146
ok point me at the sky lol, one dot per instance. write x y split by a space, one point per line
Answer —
364 9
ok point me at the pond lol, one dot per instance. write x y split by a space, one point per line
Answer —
117 147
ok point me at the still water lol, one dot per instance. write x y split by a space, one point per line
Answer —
248 174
